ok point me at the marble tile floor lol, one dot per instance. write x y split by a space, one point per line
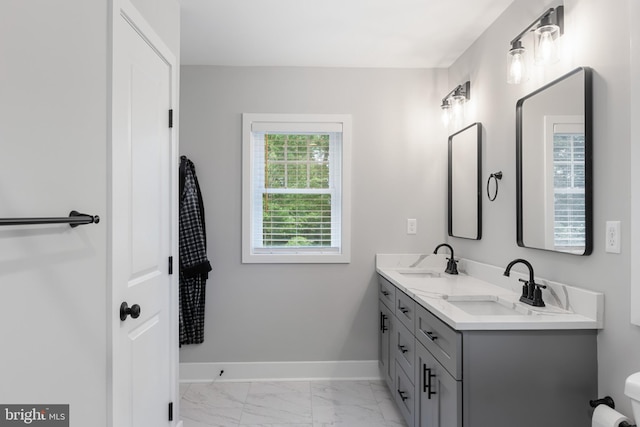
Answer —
289 404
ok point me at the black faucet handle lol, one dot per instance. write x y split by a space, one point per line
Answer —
537 296
526 282
525 288
452 266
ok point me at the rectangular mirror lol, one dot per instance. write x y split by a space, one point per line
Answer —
465 203
553 166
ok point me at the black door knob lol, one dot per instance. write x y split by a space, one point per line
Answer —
125 311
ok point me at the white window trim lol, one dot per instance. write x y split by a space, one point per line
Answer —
301 255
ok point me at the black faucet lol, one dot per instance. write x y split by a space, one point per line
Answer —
531 292
452 264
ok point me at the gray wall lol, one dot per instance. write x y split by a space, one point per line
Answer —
286 312
597 36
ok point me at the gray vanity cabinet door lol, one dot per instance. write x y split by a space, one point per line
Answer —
438 395
386 331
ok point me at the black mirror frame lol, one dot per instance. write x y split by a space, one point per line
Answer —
478 179
588 154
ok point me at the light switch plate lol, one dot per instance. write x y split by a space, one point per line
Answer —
412 226
612 238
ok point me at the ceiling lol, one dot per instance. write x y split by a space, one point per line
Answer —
333 33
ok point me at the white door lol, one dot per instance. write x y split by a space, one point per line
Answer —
142 230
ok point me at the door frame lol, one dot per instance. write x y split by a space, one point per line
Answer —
124 9
634 132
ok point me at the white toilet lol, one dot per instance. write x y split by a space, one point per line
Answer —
632 390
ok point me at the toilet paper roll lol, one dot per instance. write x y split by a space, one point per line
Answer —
604 416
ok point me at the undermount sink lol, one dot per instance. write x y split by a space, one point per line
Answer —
487 306
418 272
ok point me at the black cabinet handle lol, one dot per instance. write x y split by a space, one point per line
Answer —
402 396
430 335
385 293
404 310
426 380
402 348
383 327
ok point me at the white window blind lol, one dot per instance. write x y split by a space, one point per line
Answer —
569 186
294 201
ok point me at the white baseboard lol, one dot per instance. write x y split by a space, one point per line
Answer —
279 371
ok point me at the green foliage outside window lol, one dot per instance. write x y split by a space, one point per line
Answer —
301 217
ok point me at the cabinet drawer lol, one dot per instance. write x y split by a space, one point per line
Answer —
404 394
387 292
443 342
405 309
405 345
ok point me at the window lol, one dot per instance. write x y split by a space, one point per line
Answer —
566 135
296 200
568 156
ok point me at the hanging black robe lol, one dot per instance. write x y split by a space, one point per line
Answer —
194 265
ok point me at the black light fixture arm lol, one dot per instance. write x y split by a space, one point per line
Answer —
74 219
460 90
559 20
446 97
533 24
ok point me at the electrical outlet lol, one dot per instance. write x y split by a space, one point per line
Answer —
612 238
412 226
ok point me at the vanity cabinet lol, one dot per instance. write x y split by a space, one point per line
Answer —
444 377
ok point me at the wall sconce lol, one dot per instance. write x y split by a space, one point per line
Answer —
453 103
547 29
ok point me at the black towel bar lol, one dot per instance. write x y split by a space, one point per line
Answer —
74 219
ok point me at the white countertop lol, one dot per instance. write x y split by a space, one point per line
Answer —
422 277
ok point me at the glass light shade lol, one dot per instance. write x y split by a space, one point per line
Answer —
457 109
545 47
457 104
516 66
446 116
